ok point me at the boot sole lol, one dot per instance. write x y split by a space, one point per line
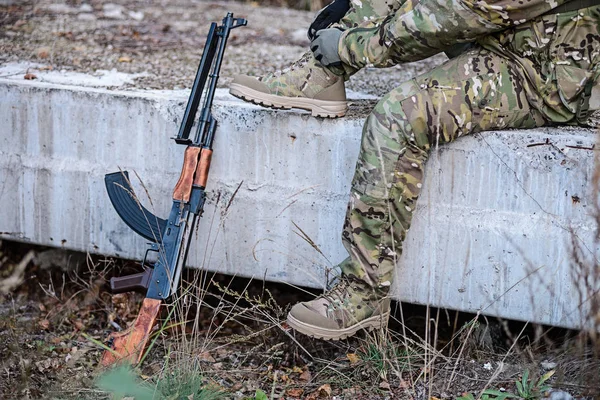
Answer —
374 322
318 108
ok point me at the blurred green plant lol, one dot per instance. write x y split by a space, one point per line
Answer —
174 385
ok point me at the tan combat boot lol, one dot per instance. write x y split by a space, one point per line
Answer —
306 84
348 307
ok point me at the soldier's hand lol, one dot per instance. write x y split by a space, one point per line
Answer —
325 47
329 15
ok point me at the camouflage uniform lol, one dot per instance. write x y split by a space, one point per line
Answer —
523 70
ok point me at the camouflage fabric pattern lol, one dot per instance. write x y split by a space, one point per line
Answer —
304 78
558 53
475 91
347 303
530 74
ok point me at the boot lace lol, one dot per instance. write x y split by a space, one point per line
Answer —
338 294
300 63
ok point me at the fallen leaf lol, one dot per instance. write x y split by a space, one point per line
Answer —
305 376
43 52
324 390
297 370
125 59
384 385
353 358
294 392
205 356
44 324
79 325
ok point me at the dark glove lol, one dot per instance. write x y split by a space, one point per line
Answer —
328 15
325 47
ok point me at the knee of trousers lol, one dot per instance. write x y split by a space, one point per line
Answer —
403 113
390 137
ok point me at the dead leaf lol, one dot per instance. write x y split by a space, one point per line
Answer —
384 385
297 370
30 77
294 392
324 390
305 376
44 324
43 52
434 398
49 363
350 392
205 356
125 59
79 325
353 358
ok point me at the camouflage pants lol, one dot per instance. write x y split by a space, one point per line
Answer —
478 90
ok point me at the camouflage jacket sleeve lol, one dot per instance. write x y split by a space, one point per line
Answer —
422 28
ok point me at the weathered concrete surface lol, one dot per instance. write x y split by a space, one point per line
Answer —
492 231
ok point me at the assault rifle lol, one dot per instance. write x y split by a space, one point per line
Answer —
170 238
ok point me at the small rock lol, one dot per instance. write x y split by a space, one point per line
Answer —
86 8
137 15
560 395
299 37
548 365
113 11
60 8
86 17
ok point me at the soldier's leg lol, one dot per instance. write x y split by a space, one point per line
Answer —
473 92
306 84
476 91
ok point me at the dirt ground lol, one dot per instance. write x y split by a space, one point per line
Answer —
58 311
162 42
226 334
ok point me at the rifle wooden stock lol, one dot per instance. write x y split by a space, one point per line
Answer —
129 345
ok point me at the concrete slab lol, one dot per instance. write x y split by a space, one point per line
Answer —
492 231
